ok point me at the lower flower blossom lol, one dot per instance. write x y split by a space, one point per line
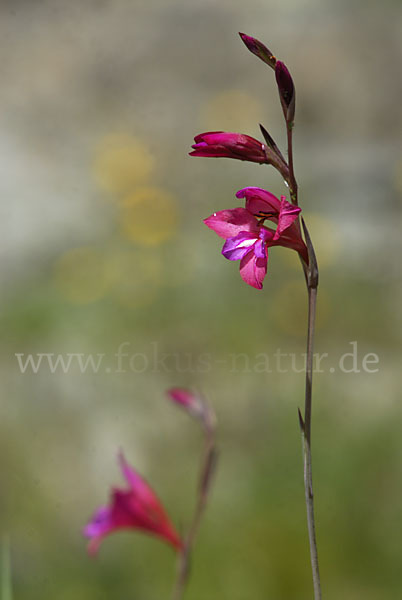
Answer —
248 239
136 507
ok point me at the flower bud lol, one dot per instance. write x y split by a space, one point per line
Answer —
187 400
286 90
258 48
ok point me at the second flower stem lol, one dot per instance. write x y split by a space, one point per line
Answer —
207 469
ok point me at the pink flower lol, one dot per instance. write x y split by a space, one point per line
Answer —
247 238
230 145
136 507
264 205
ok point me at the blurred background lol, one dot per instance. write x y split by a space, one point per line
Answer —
103 247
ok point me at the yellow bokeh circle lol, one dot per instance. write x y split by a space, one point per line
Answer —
148 216
121 163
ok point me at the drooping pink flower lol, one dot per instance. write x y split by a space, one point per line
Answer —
136 507
229 145
248 239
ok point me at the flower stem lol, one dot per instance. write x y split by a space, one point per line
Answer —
207 469
292 178
311 276
306 433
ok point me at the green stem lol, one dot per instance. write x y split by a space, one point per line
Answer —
311 275
306 431
292 179
207 468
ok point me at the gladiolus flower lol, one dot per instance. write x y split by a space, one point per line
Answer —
248 239
264 205
136 507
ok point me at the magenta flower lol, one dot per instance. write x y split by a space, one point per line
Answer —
134 508
229 145
247 238
264 205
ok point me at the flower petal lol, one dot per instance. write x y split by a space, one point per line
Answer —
287 216
253 270
260 249
237 247
229 223
260 202
291 238
100 523
138 485
103 523
137 507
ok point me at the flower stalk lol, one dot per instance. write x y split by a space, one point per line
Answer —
306 437
311 277
248 239
293 187
206 473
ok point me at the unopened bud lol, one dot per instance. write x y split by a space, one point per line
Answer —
286 90
187 400
258 48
